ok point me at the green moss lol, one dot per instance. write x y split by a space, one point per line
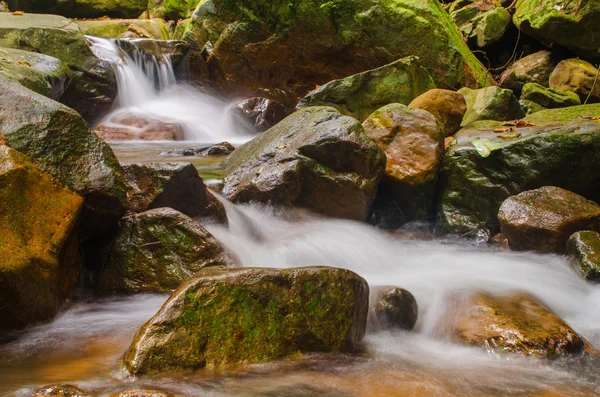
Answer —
584 246
114 28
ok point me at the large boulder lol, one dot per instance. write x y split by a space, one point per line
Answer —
548 98
543 219
584 247
361 94
485 167
413 143
533 68
115 28
491 103
38 241
156 251
482 23
173 185
516 323
40 73
315 158
293 46
578 76
572 24
447 106
94 87
234 316
87 8
62 144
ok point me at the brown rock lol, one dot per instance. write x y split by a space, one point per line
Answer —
534 68
393 307
578 76
543 219
125 127
61 391
261 113
447 106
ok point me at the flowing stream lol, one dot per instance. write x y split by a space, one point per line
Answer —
84 344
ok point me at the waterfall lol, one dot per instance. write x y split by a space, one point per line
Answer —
147 88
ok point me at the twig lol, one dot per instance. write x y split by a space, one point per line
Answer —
513 53
593 86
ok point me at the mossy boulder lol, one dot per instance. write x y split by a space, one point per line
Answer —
562 115
156 251
38 242
263 45
62 144
473 186
482 25
533 68
88 8
491 103
549 98
578 76
315 158
447 106
361 94
413 143
543 219
515 323
94 86
244 315
40 73
173 185
180 9
572 24
114 28
584 247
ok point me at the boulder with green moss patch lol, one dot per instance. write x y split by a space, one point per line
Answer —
180 9
38 242
578 76
62 144
361 94
549 98
315 158
491 103
235 316
482 25
584 247
89 8
562 115
114 28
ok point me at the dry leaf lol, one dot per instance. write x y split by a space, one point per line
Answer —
18 13
448 141
586 117
510 136
501 130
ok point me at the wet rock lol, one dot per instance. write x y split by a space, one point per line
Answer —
261 113
447 106
361 94
219 149
174 50
584 246
500 240
491 103
62 144
43 74
156 251
115 28
173 185
578 76
294 46
569 24
94 87
394 307
544 218
549 98
534 68
412 140
142 393
563 115
233 316
315 158
90 8
472 187
130 126
482 23
38 219
514 324
61 391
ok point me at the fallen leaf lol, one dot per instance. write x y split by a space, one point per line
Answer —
24 63
281 147
586 117
259 171
501 130
18 13
523 123
485 147
510 136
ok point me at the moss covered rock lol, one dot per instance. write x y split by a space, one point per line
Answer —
572 24
482 25
584 246
62 144
94 86
40 73
114 28
38 242
88 8
315 158
234 316
543 219
549 98
156 251
293 46
534 68
447 106
180 9
516 323
578 76
473 186
491 103
413 143
562 115
361 94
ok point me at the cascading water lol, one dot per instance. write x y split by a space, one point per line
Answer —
147 88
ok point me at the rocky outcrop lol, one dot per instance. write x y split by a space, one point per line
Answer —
584 247
38 220
261 113
62 144
447 106
316 158
293 46
115 28
543 219
413 143
491 103
534 68
94 88
156 251
578 76
361 94
393 307
234 316
89 8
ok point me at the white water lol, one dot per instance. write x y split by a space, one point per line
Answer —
147 87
